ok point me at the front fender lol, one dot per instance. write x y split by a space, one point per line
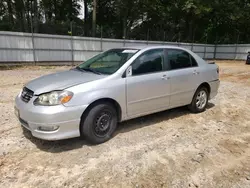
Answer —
86 98
86 94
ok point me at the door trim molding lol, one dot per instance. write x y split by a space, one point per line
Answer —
152 98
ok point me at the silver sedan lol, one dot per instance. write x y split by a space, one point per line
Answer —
115 86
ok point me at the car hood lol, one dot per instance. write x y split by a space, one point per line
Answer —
61 80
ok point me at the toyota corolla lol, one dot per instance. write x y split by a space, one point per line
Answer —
115 86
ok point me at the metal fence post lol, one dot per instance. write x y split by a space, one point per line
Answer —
101 39
147 36
33 48
236 47
32 40
179 38
124 41
124 36
164 38
215 46
205 49
235 51
72 45
192 47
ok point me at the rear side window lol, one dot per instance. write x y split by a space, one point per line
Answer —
179 59
149 62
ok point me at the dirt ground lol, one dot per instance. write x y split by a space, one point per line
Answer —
173 148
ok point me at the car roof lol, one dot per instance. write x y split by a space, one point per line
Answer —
152 47
148 47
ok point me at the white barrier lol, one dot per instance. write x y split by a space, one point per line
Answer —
26 47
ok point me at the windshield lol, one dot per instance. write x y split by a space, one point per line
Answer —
107 62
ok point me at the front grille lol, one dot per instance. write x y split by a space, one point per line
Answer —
27 94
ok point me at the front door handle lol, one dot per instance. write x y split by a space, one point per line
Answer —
165 77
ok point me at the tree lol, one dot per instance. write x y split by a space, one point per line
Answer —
94 18
212 21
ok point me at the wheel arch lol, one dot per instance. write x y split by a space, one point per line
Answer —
115 104
206 85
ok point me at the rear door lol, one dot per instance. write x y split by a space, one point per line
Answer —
184 76
148 87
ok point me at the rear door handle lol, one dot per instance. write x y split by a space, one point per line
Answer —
165 77
195 72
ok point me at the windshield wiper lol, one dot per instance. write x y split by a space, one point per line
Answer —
88 70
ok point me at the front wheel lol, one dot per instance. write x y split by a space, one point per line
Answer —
199 101
99 123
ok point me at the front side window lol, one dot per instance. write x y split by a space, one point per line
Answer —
178 59
149 62
107 62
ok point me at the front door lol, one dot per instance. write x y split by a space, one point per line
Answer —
148 87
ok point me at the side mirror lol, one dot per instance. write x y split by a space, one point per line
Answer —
129 71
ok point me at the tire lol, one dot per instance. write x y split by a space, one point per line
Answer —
200 100
99 123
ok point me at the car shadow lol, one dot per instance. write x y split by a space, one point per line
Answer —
151 119
124 127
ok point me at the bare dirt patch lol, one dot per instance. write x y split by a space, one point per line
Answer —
173 148
236 71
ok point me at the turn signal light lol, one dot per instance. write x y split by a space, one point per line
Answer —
66 99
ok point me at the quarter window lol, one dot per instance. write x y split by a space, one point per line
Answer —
149 62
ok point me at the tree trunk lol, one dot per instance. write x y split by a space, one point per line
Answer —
86 13
94 18
10 10
27 11
35 19
20 12
56 11
124 26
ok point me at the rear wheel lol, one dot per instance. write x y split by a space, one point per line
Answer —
99 123
199 101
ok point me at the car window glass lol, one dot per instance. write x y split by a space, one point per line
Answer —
149 62
194 63
178 59
109 61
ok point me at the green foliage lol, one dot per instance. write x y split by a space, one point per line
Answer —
212 21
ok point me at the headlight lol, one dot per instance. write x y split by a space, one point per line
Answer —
54 98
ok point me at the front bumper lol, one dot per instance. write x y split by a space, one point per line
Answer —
65 120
